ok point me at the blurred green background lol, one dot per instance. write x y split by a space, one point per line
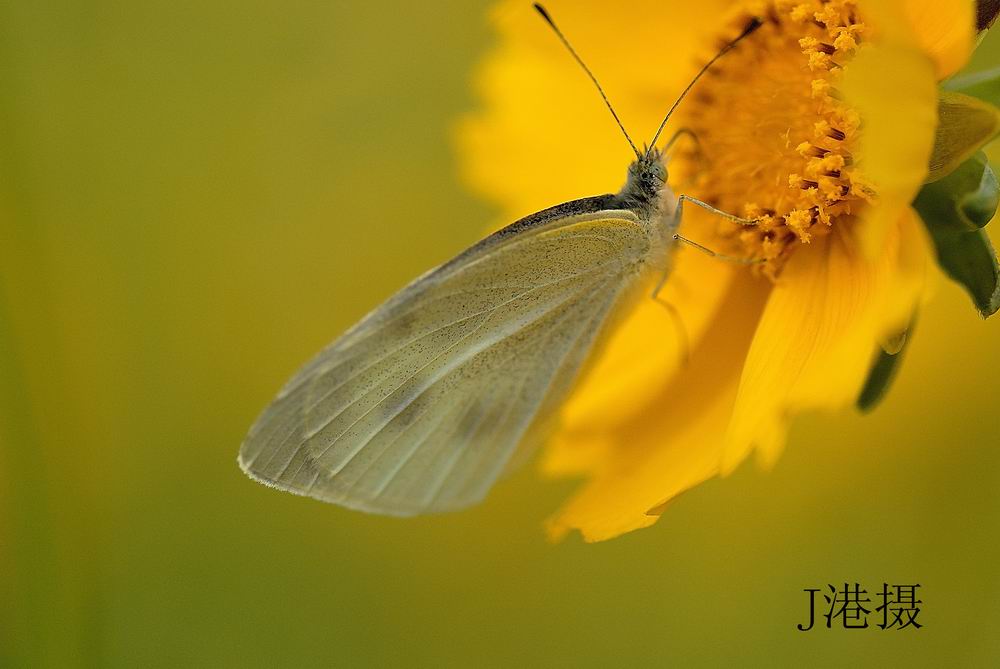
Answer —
197 196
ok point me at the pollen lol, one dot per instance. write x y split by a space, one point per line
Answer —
774 139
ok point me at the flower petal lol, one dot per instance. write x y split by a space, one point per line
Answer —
944 29
540 119
650 346
892 87
641 464
831 307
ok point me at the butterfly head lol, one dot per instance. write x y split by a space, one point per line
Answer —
647 176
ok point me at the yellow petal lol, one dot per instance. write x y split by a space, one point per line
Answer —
893 89
650 345
643 463
831 307
944 29
543 135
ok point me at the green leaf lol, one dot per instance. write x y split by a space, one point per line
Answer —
984 85
965 125
969 259
883 371
964 201
954 210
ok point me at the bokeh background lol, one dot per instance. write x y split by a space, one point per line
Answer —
197 196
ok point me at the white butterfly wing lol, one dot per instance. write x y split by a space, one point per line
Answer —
419 407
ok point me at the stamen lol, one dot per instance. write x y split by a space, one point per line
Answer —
785 141
813 151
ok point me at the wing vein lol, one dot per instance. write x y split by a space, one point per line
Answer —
433 380
483 312
458 451
487 451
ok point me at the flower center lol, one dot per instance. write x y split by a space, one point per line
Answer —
774 142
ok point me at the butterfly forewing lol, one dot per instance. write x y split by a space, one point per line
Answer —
420 406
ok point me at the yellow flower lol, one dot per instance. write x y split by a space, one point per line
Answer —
820 126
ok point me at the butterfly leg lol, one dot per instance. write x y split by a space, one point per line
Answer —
671 309
704 249
715 254
682 335
684 132
707 207
718 212
701 158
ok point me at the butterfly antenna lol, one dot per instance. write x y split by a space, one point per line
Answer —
750 27
552 24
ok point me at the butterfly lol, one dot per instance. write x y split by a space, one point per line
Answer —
424 403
